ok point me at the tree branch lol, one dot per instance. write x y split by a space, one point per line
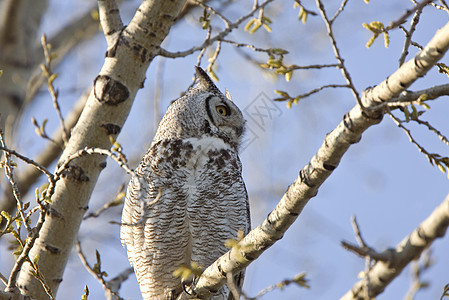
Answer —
313 175
411 247
110 20
410 71
219 36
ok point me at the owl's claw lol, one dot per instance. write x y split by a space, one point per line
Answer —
189 286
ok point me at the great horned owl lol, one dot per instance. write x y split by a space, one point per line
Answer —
187 196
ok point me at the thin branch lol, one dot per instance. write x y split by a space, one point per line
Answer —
9 171
408 97
433 129
357 231
227 22
219 36
338 56
90 151
213 58
409 249
409 72
294 100
407 14
47 69
95 274
115 283
62 42
27 160
4 279
421 149
24 256
299 279
416 270
367 252
231 284
408 36
33 170
339 11
113 203
314 91
443 6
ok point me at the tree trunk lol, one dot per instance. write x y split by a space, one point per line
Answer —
130 51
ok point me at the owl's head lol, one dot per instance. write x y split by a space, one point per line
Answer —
203 111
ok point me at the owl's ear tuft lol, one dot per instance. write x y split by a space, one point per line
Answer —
203 80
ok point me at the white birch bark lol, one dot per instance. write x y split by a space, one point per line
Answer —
410 248
130 51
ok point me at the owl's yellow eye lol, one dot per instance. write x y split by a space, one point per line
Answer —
222 110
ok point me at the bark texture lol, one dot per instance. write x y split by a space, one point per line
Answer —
409 249
130 51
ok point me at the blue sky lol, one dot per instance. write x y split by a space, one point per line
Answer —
383 179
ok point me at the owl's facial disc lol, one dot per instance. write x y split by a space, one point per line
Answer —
226 117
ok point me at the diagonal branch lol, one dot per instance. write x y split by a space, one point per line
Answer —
410 71
313 175
411 247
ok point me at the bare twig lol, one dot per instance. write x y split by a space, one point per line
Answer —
445 292
408 36
27 160
34 168
299 279
24 256
367 251
339 11
407 14
357 232
227 22
231 284
219 36
338 56
3 279
114 202
94 273
10 175
443 138
430 156
213 58
46 68
443 5
294 100
416 270
410 248
116 282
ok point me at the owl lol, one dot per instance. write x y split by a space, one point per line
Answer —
187 196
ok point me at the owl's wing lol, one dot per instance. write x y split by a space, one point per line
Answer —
153 222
